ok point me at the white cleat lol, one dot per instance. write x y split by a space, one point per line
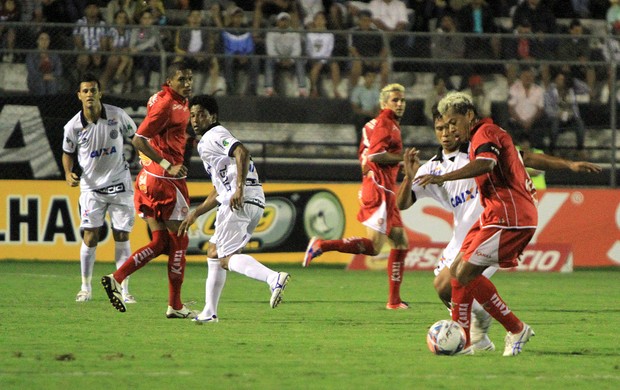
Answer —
485 344
183 312
113 289
83 296
479 332
515 342
208 320
278 289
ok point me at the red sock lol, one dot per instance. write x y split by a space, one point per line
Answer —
485 292
138 259
354 245
176 269
461 306
395 268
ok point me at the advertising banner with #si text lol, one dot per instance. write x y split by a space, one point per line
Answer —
577 228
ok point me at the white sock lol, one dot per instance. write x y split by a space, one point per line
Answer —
216 278
250 267
87 262
122 251
478 311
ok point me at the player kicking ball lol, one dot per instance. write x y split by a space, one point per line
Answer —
506 225
453 155
240 201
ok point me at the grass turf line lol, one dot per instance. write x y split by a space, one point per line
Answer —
331 332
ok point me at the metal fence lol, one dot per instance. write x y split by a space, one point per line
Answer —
410 61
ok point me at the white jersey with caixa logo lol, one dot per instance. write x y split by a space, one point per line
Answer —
216 148
99 148
458 196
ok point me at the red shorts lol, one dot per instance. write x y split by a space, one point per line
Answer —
494 246
379 210
162 199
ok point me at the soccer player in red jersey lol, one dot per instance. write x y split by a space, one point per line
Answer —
161 195
380 153
506 225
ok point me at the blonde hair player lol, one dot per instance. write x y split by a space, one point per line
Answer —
380 153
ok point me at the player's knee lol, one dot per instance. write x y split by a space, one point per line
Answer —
443 289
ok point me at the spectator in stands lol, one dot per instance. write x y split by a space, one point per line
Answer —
44 68
145 45
265 10
577 48
478 96
541 20
195 45
129 6
448 45
611 52
365 102
524 47
367 50
563 111
119 66
477 17
320 47
239 49
433 97
309 8
10 11
613 14
391 16
90 36
526 108
283 50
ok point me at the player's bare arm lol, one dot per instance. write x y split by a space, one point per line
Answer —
475 168
386 158
411 165
207 205
70 177
545 162
142 145
242 160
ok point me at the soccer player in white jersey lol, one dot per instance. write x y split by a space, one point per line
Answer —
93 159
240 201
461 198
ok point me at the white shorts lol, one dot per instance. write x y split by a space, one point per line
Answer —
93 207
233 229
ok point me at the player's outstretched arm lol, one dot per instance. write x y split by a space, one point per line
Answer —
545 162
209 203
474 168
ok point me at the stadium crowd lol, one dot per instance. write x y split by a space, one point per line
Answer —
250 48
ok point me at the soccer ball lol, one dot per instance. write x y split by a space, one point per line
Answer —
446 337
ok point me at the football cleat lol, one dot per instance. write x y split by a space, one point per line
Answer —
397 306
515 342
83 296
183 312
128 298
208 320
278 289
466 351
313 250
113 289
484 344
480 324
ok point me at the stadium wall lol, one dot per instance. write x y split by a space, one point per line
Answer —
577 227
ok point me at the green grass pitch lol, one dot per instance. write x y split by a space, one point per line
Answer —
331 332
